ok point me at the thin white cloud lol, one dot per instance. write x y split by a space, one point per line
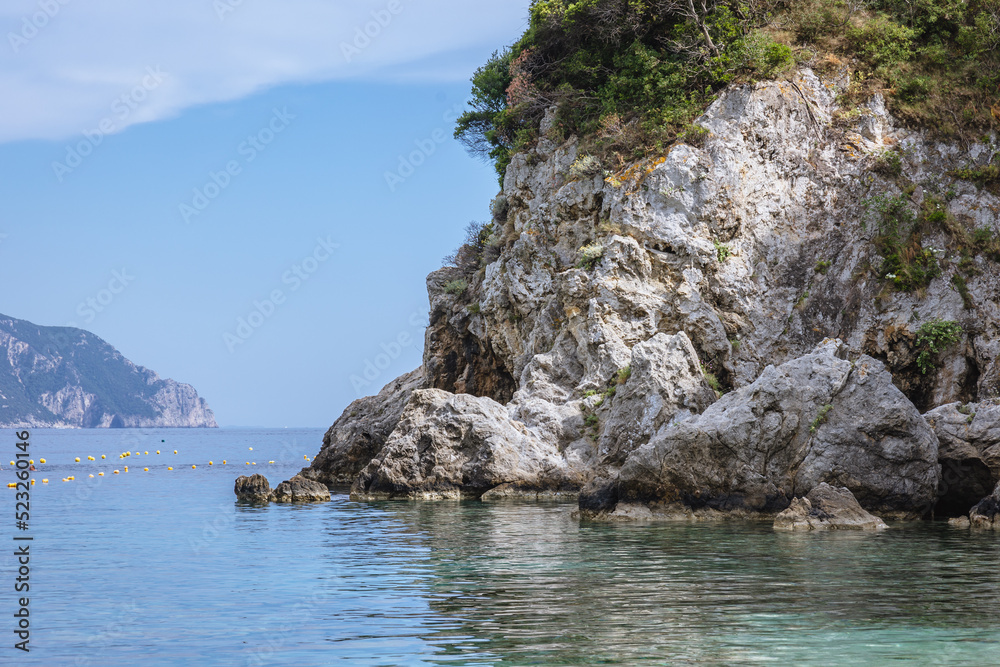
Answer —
67 65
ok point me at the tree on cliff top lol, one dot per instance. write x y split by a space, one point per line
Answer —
629 76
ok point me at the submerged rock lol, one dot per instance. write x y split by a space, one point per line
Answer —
986 514
819 418
253 489
827 508
456 445
298 489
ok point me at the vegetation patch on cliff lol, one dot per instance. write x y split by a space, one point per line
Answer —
630 76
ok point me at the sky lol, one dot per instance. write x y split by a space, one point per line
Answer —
242 195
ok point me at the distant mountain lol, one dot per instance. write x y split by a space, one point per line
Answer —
66 377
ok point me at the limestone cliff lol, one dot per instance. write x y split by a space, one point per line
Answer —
616 305
65 377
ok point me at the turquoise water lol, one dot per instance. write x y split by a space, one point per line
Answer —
163 568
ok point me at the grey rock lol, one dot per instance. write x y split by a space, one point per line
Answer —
819 418
986 514
666 383
827 508
360 432
253 489
456 445
298 489
969 452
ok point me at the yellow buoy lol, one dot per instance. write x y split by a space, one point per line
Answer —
102 456
12 463
45 481
223 461
210 463
192 467
11 485
145 469
78 459
91 458
157 451
31 461
65 480
175 451
100 474
91 475
254 463
117 472
251 449
169 468
270 461
248 463
41 460
146 453
71 478
33 481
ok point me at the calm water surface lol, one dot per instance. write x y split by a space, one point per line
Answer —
163 568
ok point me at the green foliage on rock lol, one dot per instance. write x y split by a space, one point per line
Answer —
933 337
630 76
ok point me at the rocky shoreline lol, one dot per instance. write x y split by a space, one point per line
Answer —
708 334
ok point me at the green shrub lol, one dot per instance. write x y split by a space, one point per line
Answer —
456 287
822 266
722 251
623 375
820 418
881 42
584 166
590 255
933 337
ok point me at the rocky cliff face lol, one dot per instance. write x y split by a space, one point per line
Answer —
617 302
64 377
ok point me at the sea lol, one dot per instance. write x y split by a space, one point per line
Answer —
163 567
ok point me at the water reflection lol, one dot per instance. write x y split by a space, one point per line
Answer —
524 583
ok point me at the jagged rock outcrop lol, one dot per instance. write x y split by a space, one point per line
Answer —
253 489
66 377
969 452
827 508
665 383
753 247
361 431
819 418
457 445
986 514
298 489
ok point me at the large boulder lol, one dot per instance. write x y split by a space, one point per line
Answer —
827 508
253 489
298 489
665 383
456 445
986 514
969 452
361 431
818 418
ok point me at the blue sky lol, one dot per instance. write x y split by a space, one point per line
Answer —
171 171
